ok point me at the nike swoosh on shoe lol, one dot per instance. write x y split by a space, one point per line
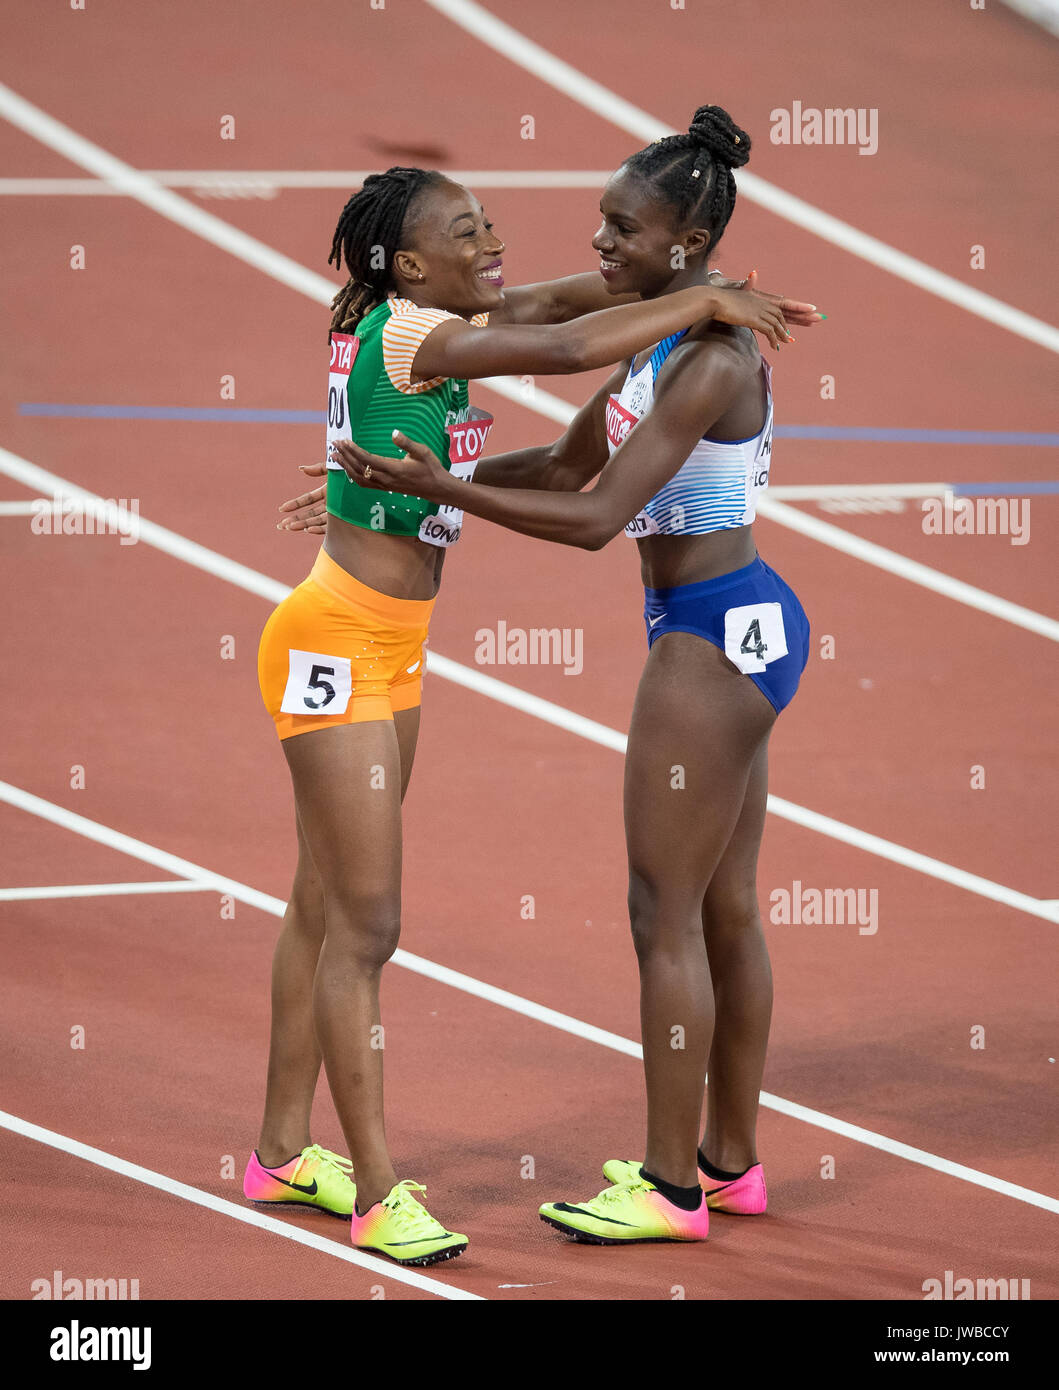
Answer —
297 1186
580 1211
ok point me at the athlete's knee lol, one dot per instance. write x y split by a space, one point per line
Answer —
659 919
307 897
731 912
364 927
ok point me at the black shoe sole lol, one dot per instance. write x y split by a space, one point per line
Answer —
437 1259
584 1238
297 1206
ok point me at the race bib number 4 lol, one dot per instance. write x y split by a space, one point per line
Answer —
317 684
344 350
754 636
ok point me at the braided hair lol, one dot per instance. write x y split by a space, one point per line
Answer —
693 172
370 231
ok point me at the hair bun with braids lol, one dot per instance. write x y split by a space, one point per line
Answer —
718 134
693 172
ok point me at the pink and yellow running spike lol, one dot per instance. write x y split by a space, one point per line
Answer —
631 1210
401 1227
314 1178
742 1196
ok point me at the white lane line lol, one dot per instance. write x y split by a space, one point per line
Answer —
265 182
471 679
288 272
126 179
59 188
498 35
516 1003
101 890
170 542
348 179
912 859
912 570
248 1215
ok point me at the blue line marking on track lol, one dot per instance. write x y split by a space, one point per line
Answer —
902 436
1005 489
248 415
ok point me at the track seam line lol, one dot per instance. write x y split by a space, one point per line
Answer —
127 1169
78 150
515 1003
220 566
503 38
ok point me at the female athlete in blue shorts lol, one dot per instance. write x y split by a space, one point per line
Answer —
681 437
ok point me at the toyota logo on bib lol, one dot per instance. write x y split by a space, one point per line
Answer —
619 422
467 439
344 350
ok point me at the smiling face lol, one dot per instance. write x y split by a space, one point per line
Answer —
638 240
453 258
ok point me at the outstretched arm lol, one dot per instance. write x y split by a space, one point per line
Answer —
699 388
559 301
564 466
458 349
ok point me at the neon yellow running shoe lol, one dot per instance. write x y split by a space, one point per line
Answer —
314 1178
631 1210
401 1227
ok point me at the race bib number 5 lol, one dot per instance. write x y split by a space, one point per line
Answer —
317 684
754 636
343 354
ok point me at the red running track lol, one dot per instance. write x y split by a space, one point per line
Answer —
119 671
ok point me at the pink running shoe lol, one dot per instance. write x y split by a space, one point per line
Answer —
743 1196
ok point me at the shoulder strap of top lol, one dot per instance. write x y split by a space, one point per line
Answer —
664 348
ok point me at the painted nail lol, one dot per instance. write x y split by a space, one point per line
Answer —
823 316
